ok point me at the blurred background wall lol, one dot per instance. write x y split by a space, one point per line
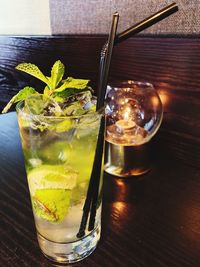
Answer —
91 16
44 17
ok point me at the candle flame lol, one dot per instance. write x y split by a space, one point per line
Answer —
127 114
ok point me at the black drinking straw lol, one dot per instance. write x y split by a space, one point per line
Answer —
106 55
146 23
140 26
101 69
92 194
96 172
93 188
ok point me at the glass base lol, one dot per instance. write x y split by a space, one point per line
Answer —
120 172
125 161
69 252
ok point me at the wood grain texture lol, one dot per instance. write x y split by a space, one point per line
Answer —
171 64
151 221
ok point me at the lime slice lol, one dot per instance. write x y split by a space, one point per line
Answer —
51 204
51 177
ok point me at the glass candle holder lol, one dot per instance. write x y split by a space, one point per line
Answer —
133 116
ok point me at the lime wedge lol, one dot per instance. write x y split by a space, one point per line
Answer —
51 177
51 204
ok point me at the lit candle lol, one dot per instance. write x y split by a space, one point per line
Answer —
126 123
125 130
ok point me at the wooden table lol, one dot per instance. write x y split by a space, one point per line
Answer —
153 221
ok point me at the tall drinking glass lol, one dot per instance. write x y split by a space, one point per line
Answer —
59 155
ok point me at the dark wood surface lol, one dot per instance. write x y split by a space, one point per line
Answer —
153 221
171 64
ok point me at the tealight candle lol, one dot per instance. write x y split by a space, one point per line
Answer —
125 125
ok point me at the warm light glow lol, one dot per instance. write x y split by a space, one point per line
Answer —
121 189
120 207
155 101
163 97
189 217
127 114
120 183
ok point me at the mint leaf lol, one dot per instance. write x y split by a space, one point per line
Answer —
67 93
72 83
61 96
32 70
57 73
20 96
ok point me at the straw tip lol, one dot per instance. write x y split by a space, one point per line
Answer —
174 5
80 234
116 13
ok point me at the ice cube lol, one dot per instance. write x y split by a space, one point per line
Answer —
42 105
35 162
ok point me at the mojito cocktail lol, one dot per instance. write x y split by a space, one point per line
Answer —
60 129
59 155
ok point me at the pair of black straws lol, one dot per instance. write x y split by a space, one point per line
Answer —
90 205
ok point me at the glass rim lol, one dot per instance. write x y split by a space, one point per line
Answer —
19 107
125 83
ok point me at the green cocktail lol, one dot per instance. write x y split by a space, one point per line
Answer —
59 130
59 155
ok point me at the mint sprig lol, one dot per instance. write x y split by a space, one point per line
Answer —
55 86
